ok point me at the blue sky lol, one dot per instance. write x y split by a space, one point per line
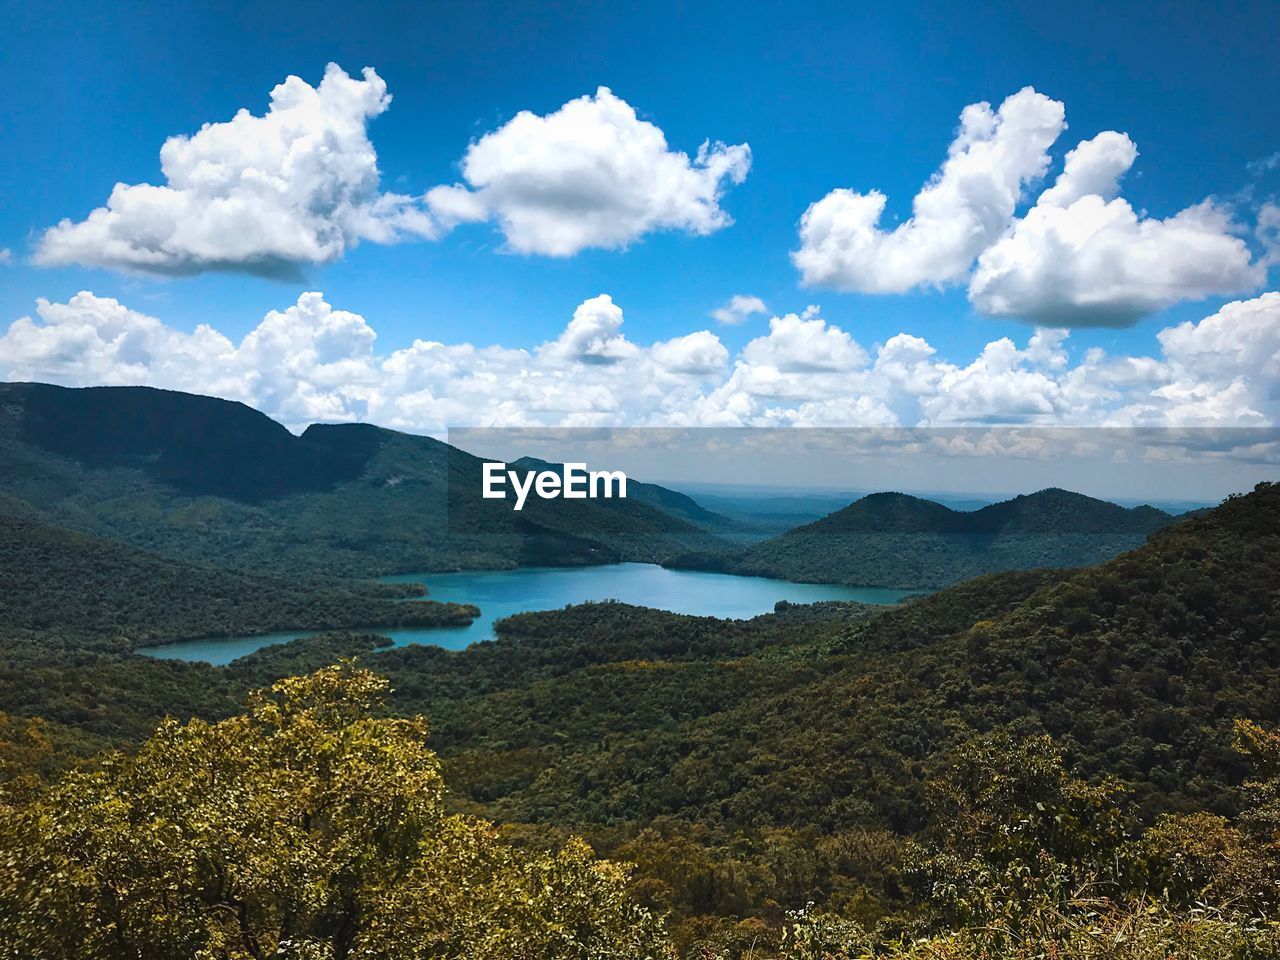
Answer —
827 96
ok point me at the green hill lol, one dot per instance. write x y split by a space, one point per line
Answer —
72 590
897 540
215 481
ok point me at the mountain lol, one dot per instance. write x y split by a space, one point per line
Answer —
215 481
197 445
897 540
662 498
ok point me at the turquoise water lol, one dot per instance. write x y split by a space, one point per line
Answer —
500 593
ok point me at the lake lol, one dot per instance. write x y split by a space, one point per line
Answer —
501 593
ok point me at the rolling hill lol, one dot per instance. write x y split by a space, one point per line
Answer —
65 589
897 540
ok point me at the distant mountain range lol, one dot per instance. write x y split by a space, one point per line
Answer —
897 540
213 481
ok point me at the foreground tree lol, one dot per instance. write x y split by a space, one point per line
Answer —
305 828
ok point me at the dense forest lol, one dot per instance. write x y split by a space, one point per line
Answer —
825 781
897 540
95 592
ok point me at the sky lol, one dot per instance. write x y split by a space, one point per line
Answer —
495 214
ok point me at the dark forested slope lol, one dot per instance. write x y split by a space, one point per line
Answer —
72 589
897 540
216 481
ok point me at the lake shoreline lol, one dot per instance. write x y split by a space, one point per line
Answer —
503 593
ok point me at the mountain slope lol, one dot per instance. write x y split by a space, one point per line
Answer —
86 591
896 540
211 480
198 445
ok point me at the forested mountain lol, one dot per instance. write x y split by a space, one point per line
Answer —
216 481
749 767
897 540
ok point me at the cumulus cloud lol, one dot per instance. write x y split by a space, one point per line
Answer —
1083 257
700 353
594 335
1080 256
311 361
260 194
804 343
739 308
590 174
961 210
1230 361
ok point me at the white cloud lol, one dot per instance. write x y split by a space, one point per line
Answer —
804 343
699 354
1268 231
1003 385
1080 256
594 335
313 362
961 210
1230 362
591 174
261 194
300 185
6 256
739 307
1083 257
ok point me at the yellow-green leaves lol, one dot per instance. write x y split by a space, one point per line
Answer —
305 828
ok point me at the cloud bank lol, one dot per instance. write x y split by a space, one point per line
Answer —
312 362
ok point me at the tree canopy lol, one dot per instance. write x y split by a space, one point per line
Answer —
306 827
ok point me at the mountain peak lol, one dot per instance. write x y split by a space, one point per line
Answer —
198 445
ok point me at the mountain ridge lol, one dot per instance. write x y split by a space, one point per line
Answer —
893 539
210 479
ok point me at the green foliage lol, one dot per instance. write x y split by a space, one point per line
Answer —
1091 930
1018 833
1031 862
304 827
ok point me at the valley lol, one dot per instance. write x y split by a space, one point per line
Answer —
750 744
